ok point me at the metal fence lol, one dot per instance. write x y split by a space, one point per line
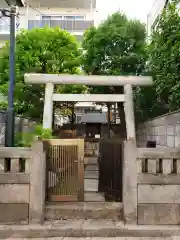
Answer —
21 125
110 169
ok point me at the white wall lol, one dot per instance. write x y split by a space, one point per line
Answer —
3 4
2 43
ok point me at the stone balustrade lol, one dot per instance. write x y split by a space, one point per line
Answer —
22 187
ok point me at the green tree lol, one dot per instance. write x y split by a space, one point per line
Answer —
164 66
42 50
116 47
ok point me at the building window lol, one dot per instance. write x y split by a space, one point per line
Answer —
92 110
69 17
45 17
78 119
78 110
76 18
80 17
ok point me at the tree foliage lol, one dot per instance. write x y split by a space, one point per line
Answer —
26 139
116 47
164 66
45 50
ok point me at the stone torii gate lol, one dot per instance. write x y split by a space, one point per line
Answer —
127 81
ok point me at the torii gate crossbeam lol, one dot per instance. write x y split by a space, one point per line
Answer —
93 80
127 98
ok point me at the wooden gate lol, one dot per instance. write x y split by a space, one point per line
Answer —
65 169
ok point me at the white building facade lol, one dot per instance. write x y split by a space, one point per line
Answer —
154 13
4 21
75 16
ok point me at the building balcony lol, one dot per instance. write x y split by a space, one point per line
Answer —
92 118
83 4
71 26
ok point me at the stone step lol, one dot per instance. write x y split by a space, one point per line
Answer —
93 197
91 160
90 167
88 228
91 174
86 210
91 185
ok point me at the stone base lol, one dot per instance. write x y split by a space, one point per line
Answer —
99 238
88 228
14 213
159 214
86 210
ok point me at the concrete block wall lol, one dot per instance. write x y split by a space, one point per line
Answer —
165 130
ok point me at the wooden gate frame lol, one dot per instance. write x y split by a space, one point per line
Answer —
80 146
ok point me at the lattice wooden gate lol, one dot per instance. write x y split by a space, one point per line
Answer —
65 169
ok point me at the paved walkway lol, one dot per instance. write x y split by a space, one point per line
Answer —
118 238
89 229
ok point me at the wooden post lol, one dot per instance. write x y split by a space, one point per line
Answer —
81 169
129 113
48 106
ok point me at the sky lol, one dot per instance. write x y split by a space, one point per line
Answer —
133 8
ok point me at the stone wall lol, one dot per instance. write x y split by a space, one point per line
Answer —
21 125
158 186
151 185
165 130
14 198
19 201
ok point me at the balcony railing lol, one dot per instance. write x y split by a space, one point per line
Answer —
66 4
63 24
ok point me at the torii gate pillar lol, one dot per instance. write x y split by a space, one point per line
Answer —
48 106
127 97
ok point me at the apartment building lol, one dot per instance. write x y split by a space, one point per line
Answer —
5 21
154 13
75 16
88 112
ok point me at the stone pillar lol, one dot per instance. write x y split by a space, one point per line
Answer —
48 106
129 113
37 184
130 182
